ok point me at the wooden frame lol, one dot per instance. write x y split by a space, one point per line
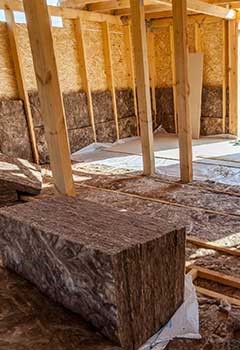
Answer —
211 246
200 272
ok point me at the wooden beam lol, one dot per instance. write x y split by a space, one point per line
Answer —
119 4
152 70
84 72
130 63
41 41
142 83
233 76
173 78
225 75
109 70
70 13
182 89
212 246
20 77
199 6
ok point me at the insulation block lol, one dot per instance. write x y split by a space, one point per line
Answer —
121 273
19 175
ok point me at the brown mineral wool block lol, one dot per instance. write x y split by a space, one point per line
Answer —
19 175
121 272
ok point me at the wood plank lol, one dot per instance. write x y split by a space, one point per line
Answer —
152 71
20 78
142 83
50 95
218 277
233 77
182 89
83 70
109 70
106 267
212 246
195 97
130 63
218 296
173 77
225 73
70 13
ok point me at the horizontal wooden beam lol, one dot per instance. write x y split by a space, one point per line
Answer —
64 12
119 4
205 8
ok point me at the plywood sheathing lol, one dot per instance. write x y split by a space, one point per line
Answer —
8 84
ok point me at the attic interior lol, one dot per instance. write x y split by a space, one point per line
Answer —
119 175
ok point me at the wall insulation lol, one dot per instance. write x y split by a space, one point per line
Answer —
205 34
203 31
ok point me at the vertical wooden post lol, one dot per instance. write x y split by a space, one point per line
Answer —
109 70
19 73
233 76
129 54
173 77
152 70
182 88
224 81
50 95
142 83
83 71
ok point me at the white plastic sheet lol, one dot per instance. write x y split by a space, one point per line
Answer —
183 324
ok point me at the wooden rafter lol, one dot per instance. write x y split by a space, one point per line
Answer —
208 7
65 12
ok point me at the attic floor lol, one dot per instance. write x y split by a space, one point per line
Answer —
208 209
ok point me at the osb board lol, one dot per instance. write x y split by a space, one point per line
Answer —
8 85
95 56
119 59
191 37
67 57
26 56
211 39
163 57
68 66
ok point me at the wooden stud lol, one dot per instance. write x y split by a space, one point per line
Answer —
182 89
142 83
233 77
20 77
224 81
212 246
83 71
109 70
218 296
152 70
218 277
130 63
41 41
173 78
